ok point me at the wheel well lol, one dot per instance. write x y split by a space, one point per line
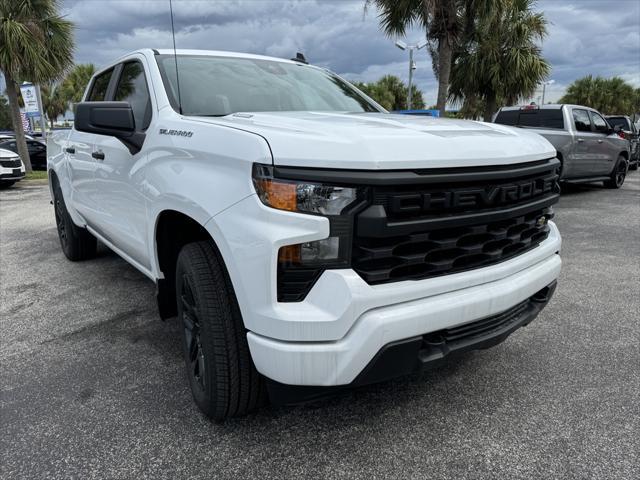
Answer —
53 179
173 231
559 157
625 155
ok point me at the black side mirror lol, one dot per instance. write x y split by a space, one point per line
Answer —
114 119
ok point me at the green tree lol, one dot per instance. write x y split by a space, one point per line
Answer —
54 103
500 59
445 22
76 81
391 93
36 44
5 114
607 95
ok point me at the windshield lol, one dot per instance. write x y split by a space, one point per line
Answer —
216 86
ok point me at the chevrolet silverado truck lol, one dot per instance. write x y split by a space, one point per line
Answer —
306 240
588 148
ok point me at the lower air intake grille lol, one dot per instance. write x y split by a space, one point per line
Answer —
478 328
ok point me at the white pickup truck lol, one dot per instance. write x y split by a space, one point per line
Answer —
306 239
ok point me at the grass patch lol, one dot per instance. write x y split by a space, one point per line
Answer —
36 175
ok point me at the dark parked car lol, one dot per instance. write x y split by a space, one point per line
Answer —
628 131
37 152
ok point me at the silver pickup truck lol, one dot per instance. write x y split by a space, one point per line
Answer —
588 147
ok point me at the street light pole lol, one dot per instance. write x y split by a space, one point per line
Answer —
544 88
412 66
409 94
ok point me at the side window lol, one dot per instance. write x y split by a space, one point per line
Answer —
99 87
599 123
581 120
132 88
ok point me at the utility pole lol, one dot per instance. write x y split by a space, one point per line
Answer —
544 87
412 66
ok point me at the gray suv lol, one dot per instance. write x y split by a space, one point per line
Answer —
587 146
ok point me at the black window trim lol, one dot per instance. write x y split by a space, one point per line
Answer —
113 85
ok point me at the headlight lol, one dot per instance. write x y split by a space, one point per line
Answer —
301 264
299 196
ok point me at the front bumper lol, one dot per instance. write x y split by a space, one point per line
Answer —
341 362
11 174
426 351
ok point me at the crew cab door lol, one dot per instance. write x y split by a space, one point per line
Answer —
605 148
82 166
583 164
119 183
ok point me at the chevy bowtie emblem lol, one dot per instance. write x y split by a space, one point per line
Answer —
541 222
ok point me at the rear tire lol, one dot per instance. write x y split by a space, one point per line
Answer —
223 379
618 175
76 242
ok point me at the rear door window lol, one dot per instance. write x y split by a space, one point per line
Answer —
581 120
99 87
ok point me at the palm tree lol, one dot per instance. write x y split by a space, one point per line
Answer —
500 60
36 44
608 95
76 81
445 23
391 93
54 103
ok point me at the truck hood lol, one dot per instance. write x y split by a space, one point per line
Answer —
378 141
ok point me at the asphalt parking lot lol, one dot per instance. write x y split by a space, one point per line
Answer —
93 383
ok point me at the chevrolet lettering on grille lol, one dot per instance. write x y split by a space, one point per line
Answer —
471 197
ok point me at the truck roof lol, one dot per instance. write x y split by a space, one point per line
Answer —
546 106
213 53
551 106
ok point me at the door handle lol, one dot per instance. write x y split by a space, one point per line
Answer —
580 140
70 150
600 141
98 155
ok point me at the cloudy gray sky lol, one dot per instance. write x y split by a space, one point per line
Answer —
600 37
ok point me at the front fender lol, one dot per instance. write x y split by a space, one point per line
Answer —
197 182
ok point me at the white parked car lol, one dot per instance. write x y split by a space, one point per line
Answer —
306 239
11 168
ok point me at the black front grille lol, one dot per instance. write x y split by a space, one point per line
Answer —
415 232
11 163
415 224
444 251
479 328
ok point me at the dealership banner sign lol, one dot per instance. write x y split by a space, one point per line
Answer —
30 97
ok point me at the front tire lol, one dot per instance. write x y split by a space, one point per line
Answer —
223 380
618 175
76 242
